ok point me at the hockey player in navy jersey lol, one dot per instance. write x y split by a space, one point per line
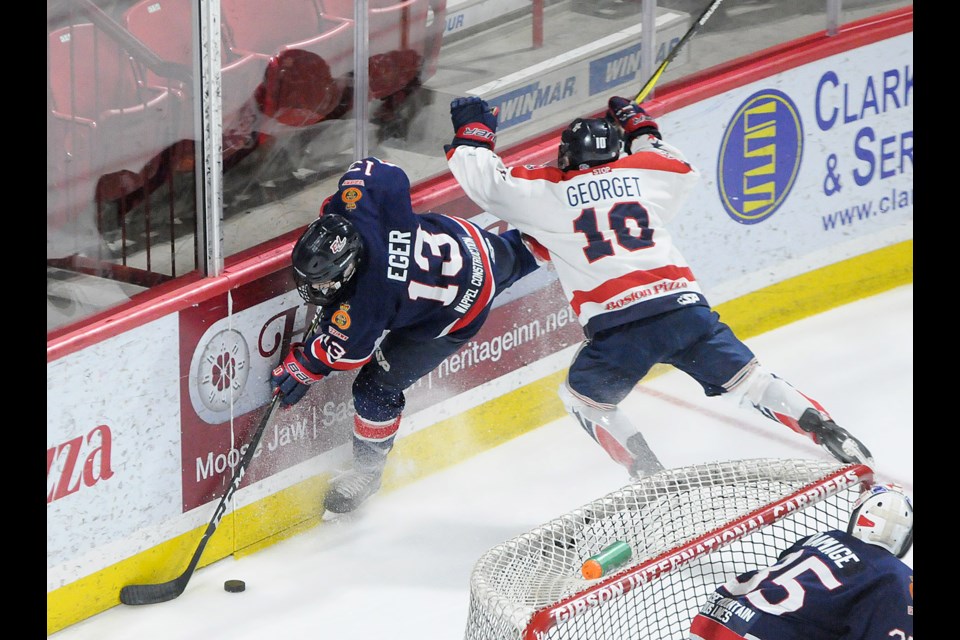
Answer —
835 585
600 218
426 281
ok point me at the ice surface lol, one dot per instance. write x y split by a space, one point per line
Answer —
399 569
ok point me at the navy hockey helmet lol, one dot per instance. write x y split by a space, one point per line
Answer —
325 257
588 142
883 515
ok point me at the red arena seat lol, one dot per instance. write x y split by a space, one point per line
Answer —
165 27
398 38
108 129
309 55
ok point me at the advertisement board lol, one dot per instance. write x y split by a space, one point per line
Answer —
800 170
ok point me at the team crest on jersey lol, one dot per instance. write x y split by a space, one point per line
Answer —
350 197
341 317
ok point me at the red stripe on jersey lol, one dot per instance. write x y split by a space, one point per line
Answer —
550 174
367 430
615 287
318 351
709 629
653 161
486 291
649 160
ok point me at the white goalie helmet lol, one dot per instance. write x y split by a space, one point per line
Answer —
883 515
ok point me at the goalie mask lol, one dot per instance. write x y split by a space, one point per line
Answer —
588 142
325 258
883 515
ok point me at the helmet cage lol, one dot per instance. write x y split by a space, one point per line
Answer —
883 516
325 258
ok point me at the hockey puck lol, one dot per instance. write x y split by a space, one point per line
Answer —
234 586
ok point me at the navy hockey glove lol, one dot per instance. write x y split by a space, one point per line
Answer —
632 118
474 123
292 378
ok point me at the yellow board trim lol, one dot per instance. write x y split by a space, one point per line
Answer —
451 441
818 291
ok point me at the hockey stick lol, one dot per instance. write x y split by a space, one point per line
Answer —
161 592
699 22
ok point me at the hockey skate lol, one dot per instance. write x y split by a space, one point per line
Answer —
835 439
350 490
645 462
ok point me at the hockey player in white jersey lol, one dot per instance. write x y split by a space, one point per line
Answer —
600 218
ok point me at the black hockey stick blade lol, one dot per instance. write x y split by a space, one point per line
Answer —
135 594
154 593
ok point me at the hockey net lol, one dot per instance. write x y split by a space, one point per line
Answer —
690 530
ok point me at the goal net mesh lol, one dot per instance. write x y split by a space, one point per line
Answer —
690 529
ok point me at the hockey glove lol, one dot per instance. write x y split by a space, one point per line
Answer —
292 378
632 118
474 123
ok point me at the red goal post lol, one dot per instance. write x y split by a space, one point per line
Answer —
690 529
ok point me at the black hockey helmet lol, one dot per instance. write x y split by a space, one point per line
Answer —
588 142
325 257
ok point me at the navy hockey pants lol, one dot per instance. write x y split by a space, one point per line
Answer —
692 339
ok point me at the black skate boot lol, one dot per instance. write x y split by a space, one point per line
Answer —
835 439
349 490
645 462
